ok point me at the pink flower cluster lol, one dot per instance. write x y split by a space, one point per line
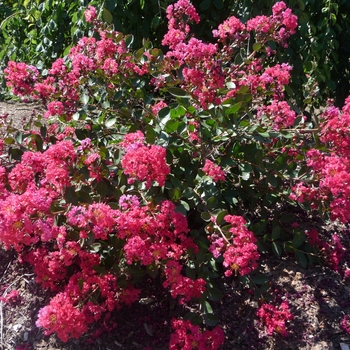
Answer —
206 68
144 163
98 219
36 181
230 30
214 171
70 312
182 286
188 337
68 239
20 77
178 29
332 168
240 252
333 252
90 14
10 298
281 25
278 114
345 324
153 236
274 318
64 78
85 296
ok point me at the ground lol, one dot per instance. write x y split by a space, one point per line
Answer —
319 299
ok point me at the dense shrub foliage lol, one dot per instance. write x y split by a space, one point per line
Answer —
179 167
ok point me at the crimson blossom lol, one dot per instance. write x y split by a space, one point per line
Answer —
274 318
188 336
144 162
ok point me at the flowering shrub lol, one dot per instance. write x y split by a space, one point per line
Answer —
331 168
274 318
152 165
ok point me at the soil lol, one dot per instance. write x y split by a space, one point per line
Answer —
319 299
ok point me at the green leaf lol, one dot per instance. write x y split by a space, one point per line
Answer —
276 232
177 92
71 196
95 247
204 5
214 294
212 203
245 171
191 273
107 16
234 108
38 142
272 180
9 141
206 308
110 122
264 134
245 176
260 279
301 259
185 205
206 216
129 39
193 317
175 194
230 85
171 125
220 217
210 320
298 239
276 249
218 4
19 137
257 46
84 98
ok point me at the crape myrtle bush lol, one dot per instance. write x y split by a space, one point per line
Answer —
40 31
180 167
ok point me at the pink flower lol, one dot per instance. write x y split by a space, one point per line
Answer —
345 324
90 14
260 24
145 163
21 77
58 67
232 29
278 113
54 108
214 171
188 336
180 285
10 298
133 140
274 318
110 66
158 106
128 201
241 256
62 317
